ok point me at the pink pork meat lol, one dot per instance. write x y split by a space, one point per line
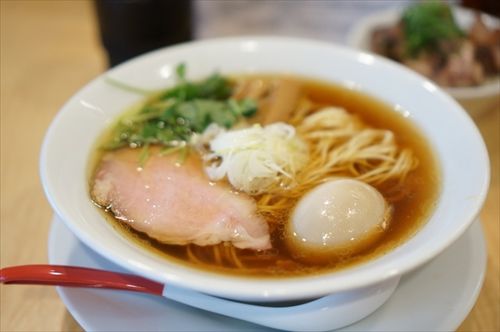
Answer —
175 202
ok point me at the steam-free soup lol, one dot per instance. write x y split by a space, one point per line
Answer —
265 176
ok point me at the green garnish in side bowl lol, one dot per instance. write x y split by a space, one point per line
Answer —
426 24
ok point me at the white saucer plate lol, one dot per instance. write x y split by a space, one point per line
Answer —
436 297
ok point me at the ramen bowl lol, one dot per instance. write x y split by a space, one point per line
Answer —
457 144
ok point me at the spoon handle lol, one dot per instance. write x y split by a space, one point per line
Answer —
74 276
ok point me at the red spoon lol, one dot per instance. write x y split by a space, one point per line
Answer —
74 276
325 313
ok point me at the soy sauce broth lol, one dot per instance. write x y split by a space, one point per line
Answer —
421 191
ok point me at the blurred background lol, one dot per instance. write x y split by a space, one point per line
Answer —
128 28
50 49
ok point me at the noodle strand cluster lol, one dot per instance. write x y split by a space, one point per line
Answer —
340 145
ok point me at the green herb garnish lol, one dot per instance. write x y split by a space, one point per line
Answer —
173 115
426 24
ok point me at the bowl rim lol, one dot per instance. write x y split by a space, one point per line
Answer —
262 289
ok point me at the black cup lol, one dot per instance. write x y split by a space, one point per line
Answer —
132 27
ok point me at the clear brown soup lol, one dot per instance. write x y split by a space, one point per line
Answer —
421 190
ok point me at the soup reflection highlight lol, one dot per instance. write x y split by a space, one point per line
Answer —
265 175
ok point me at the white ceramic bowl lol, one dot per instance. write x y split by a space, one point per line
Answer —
457 143
475 100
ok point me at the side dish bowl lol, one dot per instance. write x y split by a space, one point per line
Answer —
475 99
460 151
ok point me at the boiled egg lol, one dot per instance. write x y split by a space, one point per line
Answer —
338 217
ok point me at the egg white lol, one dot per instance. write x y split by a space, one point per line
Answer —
338 217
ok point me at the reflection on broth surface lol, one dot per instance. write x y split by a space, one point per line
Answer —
215 169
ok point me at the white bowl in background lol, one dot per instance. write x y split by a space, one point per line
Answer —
475 100
460 151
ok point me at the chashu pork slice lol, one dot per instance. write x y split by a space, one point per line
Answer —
175 202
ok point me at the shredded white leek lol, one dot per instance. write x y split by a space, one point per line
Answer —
257 159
